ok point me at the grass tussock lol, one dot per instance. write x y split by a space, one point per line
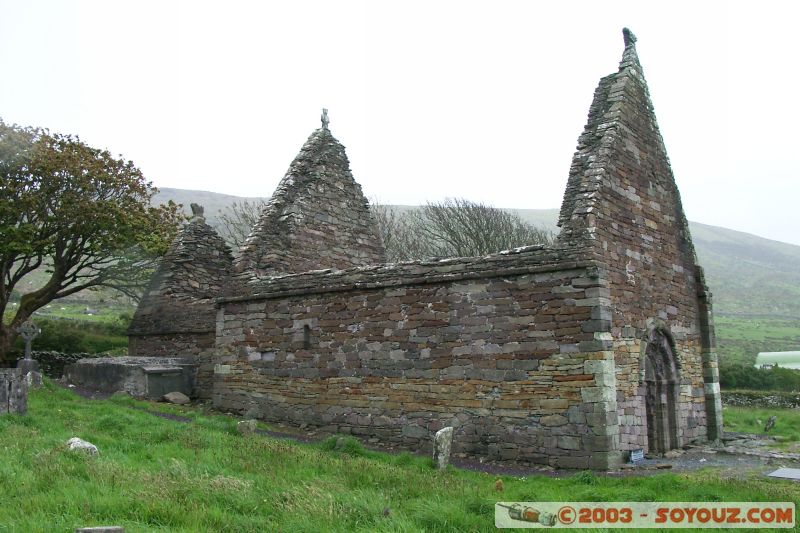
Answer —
154 474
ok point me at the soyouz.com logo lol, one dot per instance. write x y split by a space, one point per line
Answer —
553 515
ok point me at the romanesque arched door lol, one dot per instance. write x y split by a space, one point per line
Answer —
661 393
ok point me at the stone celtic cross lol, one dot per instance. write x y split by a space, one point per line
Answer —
29 331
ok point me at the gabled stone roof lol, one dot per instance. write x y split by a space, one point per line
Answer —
317 218
181 292
620 156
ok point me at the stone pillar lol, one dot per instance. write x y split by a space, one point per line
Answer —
13 392
442 442
714 422
29 369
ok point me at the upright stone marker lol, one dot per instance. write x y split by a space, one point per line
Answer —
13 391
442 442
28 367
29 331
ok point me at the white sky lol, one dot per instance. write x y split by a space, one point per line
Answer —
482 100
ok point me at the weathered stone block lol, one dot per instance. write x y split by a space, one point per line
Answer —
553 420
13 392
442 443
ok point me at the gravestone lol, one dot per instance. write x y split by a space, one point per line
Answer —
13 391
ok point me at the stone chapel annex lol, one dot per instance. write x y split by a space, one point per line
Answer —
570 355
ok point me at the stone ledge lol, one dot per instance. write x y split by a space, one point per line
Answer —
531 260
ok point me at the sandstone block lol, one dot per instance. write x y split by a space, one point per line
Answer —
553 420
176 397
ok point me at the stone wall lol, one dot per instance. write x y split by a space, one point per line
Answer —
52 363
505 349
317 218
622 202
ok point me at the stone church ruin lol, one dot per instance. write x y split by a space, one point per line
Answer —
571 355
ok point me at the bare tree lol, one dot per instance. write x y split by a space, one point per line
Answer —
237 220
454 228
397 234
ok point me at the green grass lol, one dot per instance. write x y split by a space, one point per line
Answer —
753 420
154 474
740 339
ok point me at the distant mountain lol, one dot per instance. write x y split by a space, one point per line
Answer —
748 275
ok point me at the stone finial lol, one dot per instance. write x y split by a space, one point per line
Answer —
197 210
629 37
324 119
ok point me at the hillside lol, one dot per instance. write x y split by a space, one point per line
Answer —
750 276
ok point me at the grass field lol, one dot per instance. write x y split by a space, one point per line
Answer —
154 474
740 339
752 420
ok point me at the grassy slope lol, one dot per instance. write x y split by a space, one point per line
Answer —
159 475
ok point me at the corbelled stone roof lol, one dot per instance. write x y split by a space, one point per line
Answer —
191 274
317 218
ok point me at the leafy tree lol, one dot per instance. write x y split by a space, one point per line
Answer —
79 214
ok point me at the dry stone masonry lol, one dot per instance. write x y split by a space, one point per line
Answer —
571 355
177 314
317 218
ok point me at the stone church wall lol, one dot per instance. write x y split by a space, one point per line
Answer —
623 200
506 349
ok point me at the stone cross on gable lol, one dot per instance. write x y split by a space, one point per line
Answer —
324 119
628 37
197 210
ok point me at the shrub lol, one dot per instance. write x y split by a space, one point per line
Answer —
748 377
72 336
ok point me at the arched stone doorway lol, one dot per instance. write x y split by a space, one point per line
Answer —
662 380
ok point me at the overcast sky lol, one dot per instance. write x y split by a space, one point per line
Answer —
482 100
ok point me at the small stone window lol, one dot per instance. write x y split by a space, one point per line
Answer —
306 337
